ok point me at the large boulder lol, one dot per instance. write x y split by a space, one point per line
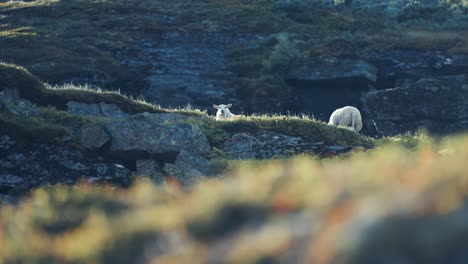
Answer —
188 168
438 104
148 134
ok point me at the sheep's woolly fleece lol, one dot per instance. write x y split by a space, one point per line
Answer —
347 116
223 112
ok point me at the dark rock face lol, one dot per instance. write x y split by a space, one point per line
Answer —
155 134
300 5
438 104
269 145
27 165
397 68
323 85
190 67
188 168
332 69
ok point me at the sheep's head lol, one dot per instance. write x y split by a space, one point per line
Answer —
223 110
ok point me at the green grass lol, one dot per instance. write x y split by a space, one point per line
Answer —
308 129
372 205
44 125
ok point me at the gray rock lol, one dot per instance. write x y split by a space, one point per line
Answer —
242 146
23 108
101 110
9 94
266 145
298 5
101 169
10 180
149 134
188 168
150 168
438 104
338 148
6 142
92 136
397 68
115 173
332 68
121 174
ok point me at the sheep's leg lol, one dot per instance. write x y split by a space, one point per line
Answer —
353 121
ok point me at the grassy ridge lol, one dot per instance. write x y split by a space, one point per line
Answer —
31 88
308 129
53 100
369 207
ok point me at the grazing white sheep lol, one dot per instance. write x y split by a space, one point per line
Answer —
223 112
347 116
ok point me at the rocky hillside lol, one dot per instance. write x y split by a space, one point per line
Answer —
266 56
69 134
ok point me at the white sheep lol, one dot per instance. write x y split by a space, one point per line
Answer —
347 116
223 112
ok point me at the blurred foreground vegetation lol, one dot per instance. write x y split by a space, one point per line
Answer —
387 205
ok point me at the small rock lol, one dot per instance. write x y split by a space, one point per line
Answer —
92 136
188 168
121 174
10 180
338 148
150 168
101 169
94 179
6 142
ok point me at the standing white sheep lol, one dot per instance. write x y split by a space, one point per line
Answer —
223 112
347 116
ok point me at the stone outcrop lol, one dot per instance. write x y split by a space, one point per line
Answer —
27 165
155 134
100 110
92 136
438 104
267 145
188 168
